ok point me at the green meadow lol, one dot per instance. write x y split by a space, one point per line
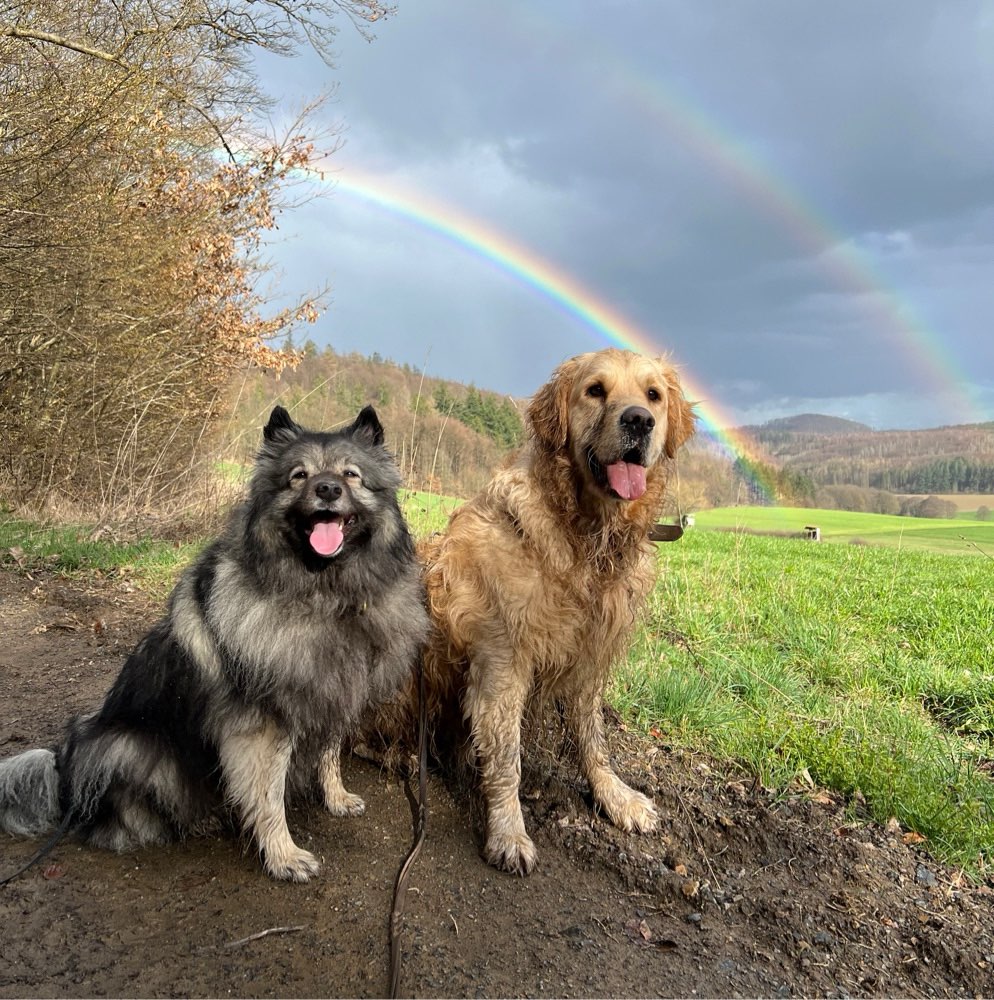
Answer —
864 668
869 670
955 536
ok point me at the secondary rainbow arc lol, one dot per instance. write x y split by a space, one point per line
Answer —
662 102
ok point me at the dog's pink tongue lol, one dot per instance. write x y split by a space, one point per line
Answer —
626 479
327 537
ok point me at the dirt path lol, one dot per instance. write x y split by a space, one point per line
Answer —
738 895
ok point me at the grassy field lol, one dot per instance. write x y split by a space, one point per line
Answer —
426 512
919 533
866 669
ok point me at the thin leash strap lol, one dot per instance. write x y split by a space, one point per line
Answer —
419 809
60 832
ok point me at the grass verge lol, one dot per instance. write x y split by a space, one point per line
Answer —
77 551
869 670
151 563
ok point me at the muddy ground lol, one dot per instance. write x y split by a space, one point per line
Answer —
741 893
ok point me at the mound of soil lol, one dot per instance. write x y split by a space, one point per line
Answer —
740 893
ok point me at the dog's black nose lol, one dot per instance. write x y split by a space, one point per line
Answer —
638 419
328 490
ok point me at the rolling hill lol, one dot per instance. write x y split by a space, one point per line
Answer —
449 436
831 451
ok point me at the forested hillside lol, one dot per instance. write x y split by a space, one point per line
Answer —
957 459
447 437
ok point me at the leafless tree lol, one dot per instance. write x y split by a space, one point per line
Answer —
136 183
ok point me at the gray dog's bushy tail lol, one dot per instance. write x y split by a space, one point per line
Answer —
29 794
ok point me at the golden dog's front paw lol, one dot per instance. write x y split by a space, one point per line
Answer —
515 853
627 809
638 814
345 804
291 863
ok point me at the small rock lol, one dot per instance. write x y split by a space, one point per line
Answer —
825 939
694 918
924 877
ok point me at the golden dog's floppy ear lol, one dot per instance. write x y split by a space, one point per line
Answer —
548 411
680 416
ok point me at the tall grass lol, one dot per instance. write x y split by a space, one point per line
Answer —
870 670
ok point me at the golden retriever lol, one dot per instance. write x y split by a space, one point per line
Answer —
535 585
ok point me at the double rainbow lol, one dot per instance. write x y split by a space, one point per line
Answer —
660 103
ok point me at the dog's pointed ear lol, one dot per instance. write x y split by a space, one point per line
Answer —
548 412
681 419
281 426
367 427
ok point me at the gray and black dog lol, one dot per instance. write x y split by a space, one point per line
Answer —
306 612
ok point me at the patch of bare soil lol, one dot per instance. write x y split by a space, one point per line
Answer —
739 894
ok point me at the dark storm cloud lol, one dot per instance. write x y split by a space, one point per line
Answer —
798 199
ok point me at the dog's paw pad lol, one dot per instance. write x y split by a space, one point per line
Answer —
296 865
346 804
516 855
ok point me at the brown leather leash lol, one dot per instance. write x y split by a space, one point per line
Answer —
419 811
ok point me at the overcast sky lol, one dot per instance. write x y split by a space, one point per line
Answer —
794 199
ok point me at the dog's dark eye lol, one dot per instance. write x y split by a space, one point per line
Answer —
654 395
596 391
298 475
351 474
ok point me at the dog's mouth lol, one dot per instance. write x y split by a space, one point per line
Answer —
624 478
326 532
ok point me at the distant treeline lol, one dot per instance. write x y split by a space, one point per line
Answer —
764 485
946 475
859 499
958 459
449 437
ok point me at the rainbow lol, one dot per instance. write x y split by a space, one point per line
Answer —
656 101
554 284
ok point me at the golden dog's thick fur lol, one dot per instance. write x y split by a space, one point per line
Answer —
535 586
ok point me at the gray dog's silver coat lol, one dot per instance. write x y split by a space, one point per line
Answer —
303 614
